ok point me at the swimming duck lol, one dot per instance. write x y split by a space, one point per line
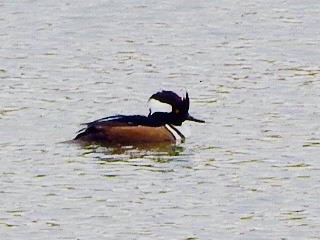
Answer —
167 111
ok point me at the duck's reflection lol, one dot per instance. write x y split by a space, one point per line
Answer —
160 153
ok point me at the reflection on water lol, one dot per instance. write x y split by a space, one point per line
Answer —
160 152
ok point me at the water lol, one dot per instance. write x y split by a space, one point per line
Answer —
252 72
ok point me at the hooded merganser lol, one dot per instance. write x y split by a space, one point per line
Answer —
166 111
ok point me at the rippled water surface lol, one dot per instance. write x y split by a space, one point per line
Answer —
252 72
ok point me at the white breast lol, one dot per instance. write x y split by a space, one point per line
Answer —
179 132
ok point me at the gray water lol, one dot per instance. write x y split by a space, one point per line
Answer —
252 171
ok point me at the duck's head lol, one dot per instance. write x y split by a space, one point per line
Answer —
170 108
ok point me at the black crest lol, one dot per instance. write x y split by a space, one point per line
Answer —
180 106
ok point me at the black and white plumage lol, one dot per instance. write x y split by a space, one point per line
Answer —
167 111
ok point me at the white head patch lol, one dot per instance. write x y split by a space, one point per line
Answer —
157 106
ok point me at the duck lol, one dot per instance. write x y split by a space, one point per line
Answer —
167 112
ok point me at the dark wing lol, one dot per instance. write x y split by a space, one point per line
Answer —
132 120
96 127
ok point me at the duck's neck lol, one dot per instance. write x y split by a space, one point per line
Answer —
166 118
